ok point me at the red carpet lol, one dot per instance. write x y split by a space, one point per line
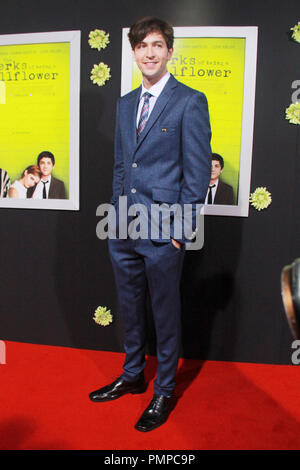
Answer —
44 404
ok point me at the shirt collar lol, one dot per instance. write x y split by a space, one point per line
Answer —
158 87
48 179
215 183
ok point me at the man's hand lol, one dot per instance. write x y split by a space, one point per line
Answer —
176 244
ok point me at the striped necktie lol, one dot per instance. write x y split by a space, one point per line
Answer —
144 114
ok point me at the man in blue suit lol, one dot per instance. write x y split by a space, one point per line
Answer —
162 157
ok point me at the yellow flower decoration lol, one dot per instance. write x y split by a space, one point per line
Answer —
296 32
260 199
293 113
98 39
102 316
100 74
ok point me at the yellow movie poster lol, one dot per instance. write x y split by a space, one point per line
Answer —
35 130
221 63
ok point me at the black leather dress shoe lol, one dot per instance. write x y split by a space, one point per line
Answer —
118 388
155 414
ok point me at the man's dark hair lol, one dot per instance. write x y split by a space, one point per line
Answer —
150 24
216 156
46 154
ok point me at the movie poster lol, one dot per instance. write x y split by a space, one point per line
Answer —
221 63
39 115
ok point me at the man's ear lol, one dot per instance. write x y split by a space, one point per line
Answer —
170 53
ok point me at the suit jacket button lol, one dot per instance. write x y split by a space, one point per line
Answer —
133 190
134 165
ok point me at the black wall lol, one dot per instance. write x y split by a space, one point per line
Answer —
54 270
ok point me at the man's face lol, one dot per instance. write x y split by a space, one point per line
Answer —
46 166
216 170
30 180
151 56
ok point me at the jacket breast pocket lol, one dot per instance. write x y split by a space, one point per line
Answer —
167 130
165 195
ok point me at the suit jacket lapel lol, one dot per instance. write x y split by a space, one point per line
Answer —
51 188
130 120
160 105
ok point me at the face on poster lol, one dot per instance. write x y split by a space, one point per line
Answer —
37 124
221 63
